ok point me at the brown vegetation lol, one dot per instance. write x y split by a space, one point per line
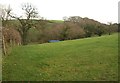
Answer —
31 30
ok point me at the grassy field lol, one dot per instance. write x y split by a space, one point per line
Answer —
56 21
82 59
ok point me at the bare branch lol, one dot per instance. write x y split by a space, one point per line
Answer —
30 11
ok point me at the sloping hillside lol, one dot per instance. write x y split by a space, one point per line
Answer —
83 59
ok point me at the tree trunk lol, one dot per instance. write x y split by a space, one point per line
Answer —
24 38
4 45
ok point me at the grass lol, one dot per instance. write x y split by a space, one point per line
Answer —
75 60
0 63
56 21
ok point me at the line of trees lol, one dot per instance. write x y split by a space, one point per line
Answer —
70 28
32 28
10 34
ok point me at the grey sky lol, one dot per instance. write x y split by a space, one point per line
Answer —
101 10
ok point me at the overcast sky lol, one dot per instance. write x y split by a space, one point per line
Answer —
101 10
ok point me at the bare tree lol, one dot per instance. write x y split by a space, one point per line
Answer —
4 17
65 18
74 19
28 22
5 14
